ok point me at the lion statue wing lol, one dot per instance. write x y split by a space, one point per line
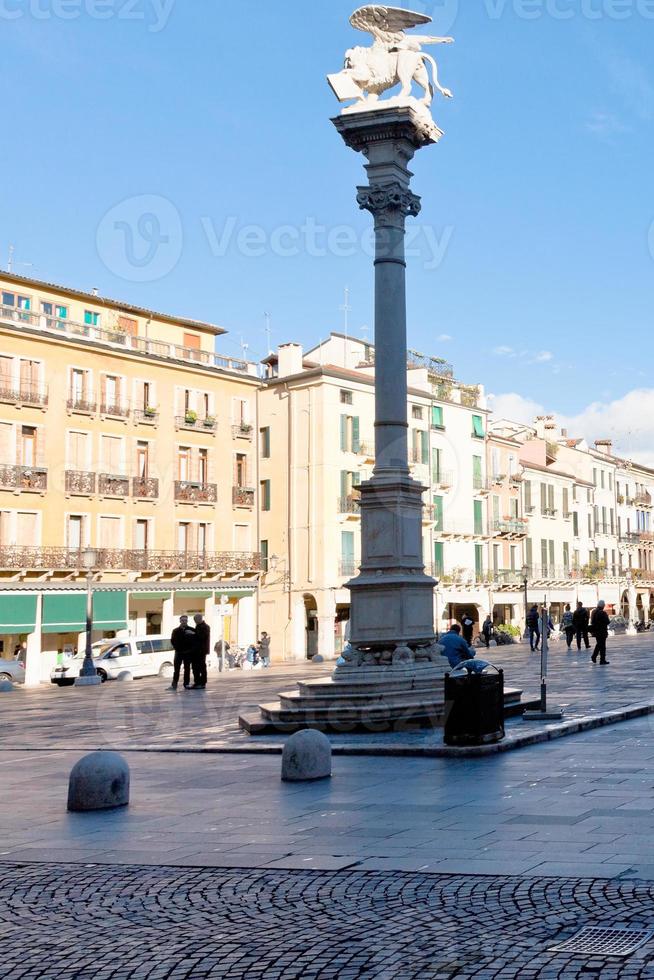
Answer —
386 24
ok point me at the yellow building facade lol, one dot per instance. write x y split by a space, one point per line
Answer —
123 430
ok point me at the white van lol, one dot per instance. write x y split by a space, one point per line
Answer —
140 656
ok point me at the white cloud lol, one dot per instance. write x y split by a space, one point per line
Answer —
445 338
628 421
543 357
504 352
605 125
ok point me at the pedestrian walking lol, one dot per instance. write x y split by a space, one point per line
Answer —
533 626
183 641
468 626
567 624
252 655
599 625
221 650
201 649
487 631
580 620
264 649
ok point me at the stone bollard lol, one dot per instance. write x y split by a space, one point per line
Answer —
318 659
99 781
6 687
307 756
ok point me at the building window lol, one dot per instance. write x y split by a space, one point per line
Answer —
265 495
75 528
437 418
55 315
478 427
346 397
16 302
241 470
478 517
479 562
264 548
347 553
91 319
416 412
439 562
350 437
265 442
438 513
477 480
142 535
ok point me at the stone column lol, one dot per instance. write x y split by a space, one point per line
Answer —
392 599
168 615
326 625
33 659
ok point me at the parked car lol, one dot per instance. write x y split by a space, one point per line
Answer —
12 670
142 656
618 625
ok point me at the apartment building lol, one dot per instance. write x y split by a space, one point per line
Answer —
316 415
121 430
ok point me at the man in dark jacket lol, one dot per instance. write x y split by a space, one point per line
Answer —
201 650
580 619
468 626
533 625
183 641
600 626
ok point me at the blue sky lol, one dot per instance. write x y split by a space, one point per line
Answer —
533 256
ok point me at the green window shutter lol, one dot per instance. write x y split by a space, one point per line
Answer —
529 552
356 437
424 448
543 498
110 610
437 416
345 484
551 554
479 561
344 446
528 495
436 465
265 495
439 564
479 517
347 546
438 513
17 613
356 479
476 472
478 426
543 553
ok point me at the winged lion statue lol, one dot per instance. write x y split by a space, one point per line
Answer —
395 58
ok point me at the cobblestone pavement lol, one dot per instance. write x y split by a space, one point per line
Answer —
144 714
159 923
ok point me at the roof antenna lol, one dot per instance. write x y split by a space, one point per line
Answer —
346 309
268 328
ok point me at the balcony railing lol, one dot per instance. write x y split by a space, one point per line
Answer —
347 567
114 410
643 499
145 488
630 537
510 529
208 424
145 416
243 431
349 505
23 394
418 457
113 486
30 479
606 529
442 479
459 532
243 496
196 493
80 482
84 405
70 559
123 341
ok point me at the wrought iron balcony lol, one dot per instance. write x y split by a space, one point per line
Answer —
347 567
243 496
191 421
72 559
196 493
243 431
23 394
349 505
442 479
30 479
113 486
114 410
80 482
145 416
83 405
643 499
630 538
513 528
145 488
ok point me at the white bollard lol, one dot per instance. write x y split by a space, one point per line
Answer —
307 756
99 781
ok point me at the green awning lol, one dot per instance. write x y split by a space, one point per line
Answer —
194 594
64 612
17 613
151 596
110 611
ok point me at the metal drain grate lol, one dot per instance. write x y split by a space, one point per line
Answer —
604 942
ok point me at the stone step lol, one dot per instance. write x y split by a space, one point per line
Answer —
385 695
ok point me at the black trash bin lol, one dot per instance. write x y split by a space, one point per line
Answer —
474 704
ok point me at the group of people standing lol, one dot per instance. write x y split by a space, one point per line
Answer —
192 646
576 625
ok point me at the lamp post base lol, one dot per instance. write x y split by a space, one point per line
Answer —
90 681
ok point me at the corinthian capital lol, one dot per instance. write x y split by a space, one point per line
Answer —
389 202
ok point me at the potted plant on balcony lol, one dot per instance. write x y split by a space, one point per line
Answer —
209 422
190 417
150 412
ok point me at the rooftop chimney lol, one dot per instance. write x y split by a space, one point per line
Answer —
604 446
290 360
96 291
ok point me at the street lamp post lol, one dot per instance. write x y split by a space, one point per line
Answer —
88 676
525 582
